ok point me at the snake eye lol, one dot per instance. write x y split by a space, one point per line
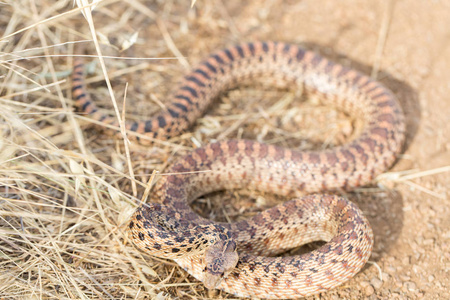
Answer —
212 241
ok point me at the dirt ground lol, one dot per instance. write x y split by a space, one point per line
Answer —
65 188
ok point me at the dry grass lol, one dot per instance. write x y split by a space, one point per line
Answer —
67 190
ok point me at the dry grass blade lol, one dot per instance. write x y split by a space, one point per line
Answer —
382 36
405 177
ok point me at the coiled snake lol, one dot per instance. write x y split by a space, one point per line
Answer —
239 258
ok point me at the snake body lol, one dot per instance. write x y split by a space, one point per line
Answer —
239 257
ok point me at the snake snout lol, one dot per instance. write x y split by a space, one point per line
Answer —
212 281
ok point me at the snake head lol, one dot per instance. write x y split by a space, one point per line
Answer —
221 258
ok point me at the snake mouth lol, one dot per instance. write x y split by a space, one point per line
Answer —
212 281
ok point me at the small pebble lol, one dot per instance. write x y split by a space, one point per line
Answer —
369 290
406 260
376 282
405 277
391 269
410 286
428 242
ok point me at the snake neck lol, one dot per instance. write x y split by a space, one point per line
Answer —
153 223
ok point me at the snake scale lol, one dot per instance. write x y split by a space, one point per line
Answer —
240 257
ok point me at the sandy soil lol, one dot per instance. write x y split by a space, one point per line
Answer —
62 235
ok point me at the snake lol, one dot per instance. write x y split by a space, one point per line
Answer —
245 258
